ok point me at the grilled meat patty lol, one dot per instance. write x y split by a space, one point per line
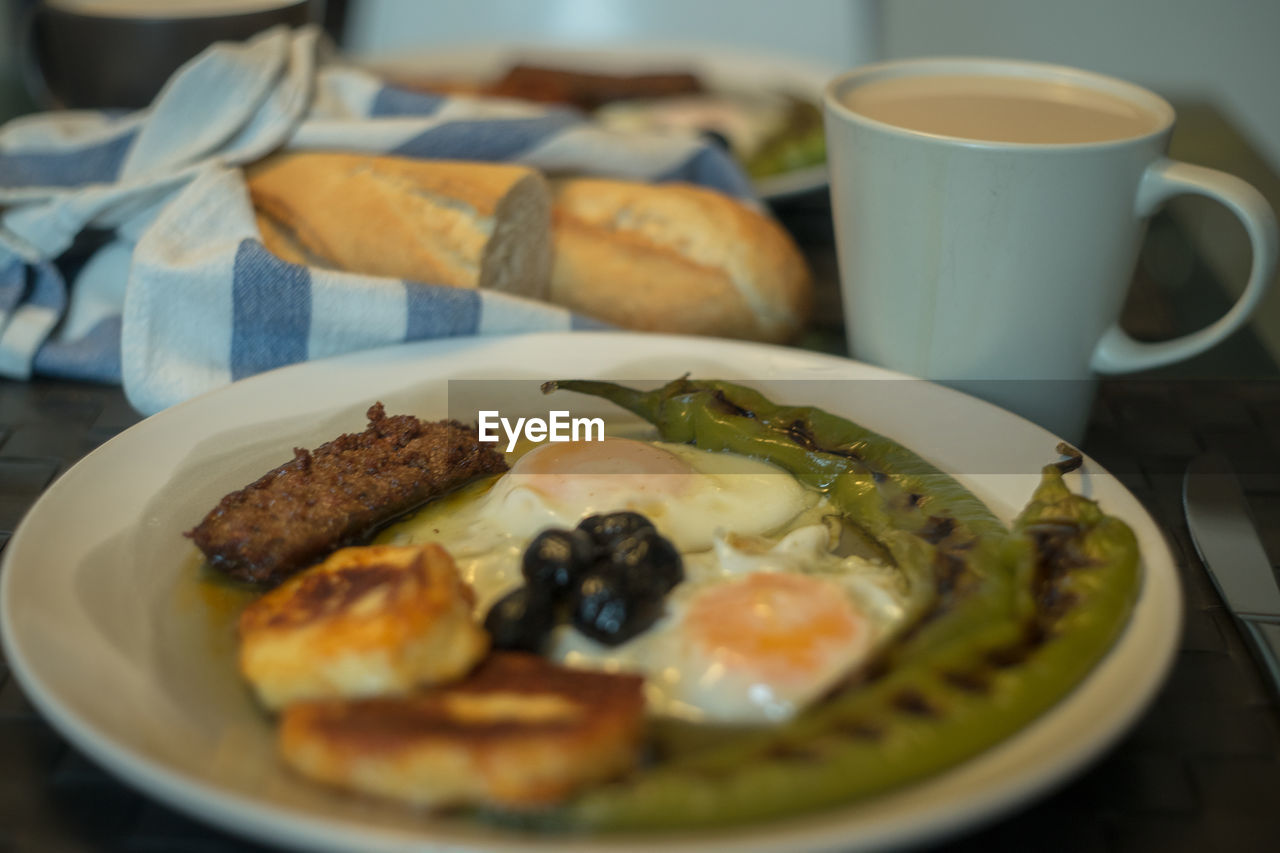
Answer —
339 494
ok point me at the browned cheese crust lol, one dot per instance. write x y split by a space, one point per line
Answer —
519 732
338 494
371 621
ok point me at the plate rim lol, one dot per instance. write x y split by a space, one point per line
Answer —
291 827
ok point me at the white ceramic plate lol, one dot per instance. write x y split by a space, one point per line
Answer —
717 67
106 632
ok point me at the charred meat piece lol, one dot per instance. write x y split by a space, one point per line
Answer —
339 494
589 90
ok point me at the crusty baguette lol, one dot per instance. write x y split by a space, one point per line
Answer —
675 258
448 222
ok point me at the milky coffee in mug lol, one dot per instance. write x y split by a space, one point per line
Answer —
994 108
988 219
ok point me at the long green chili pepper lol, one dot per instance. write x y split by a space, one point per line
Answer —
1002 623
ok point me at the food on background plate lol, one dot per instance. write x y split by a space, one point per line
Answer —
373 621
456 223
588 90
768 132
338 494
924 629
667 258
519 732
676 258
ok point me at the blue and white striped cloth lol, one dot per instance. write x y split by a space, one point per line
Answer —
129 252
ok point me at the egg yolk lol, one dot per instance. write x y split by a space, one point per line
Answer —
777 627
615 470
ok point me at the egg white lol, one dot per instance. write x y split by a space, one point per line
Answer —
694 494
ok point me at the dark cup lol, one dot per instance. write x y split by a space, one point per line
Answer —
90 56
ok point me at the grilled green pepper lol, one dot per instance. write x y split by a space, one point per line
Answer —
1003 622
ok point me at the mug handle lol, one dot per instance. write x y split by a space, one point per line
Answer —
1116 351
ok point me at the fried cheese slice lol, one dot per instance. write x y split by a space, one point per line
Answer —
367 621
520 732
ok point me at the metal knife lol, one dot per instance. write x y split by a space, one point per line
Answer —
1227 541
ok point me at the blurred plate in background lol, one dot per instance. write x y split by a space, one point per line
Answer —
744 91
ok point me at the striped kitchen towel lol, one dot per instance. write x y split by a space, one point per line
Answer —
129 252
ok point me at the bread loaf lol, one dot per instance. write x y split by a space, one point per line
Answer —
668 257
675 258
446 222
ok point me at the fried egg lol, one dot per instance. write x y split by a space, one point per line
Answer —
768 617
758 631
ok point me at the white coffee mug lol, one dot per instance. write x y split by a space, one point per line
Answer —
987 234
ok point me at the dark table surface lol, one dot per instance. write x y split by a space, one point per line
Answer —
1200 771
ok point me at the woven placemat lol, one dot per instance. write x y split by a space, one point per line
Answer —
1200 771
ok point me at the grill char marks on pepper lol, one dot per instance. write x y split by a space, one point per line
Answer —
1058 552
801 432
722 400
339 494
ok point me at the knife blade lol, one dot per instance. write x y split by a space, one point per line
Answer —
1227 541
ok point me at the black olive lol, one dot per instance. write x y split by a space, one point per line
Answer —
556 557
665 568
630 552
649 561
521 620
607 529
610 575
607 609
